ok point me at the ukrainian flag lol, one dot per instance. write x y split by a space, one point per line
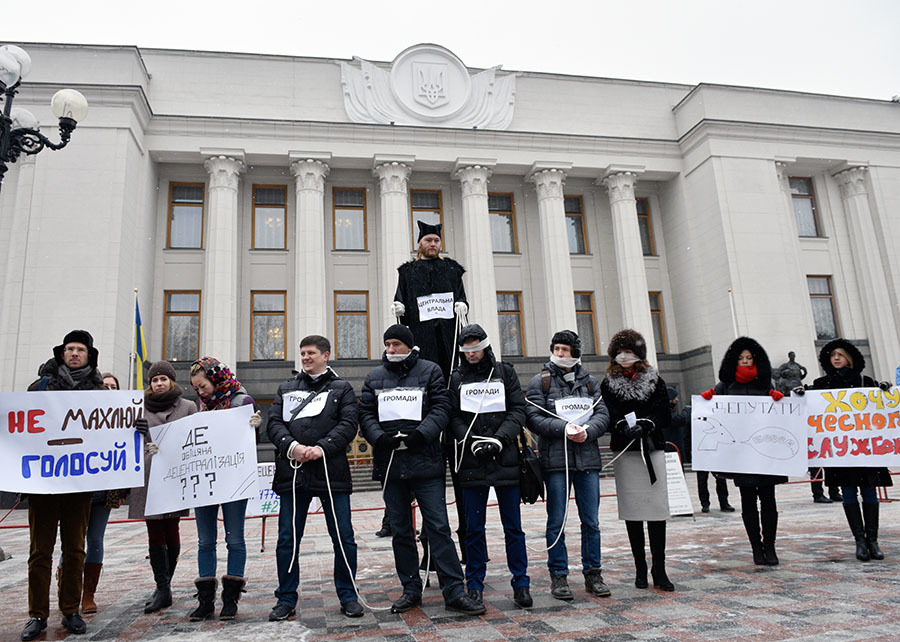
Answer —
140 346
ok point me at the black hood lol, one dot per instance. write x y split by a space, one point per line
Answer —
474 331
760 359
859 362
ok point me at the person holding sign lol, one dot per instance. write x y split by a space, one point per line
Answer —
311 422
843 364
567 414
488 411
403 408
638 405
163 403
218 390
746 370
73 367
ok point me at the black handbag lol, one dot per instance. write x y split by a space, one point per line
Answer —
531 481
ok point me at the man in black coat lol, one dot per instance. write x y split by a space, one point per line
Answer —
312 421
73 367
488 412
567 414
403 409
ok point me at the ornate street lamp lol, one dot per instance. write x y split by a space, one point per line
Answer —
19 129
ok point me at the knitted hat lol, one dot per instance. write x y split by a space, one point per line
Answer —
77 336
401 333
628 340
161 368
567 338
425 229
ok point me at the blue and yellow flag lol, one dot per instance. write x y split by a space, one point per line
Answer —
140 346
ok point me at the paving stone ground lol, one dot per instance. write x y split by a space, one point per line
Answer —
819 592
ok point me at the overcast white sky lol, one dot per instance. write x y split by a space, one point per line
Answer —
848 48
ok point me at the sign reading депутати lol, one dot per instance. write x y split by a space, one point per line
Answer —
204 459
70 441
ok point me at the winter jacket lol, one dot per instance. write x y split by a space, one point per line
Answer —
332 427
728 385
646 397
426 461
503 470
423 277
551 431
851 377
138 498
50 371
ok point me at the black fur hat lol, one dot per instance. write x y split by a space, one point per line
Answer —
77 336
728 367
859 361
425 229
567 338
627 340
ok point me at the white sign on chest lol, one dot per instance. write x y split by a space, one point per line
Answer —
576 410
435 306
484 396
400 404
312 409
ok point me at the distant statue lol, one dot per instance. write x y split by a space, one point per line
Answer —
789 375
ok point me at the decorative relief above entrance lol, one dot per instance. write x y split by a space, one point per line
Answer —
427 85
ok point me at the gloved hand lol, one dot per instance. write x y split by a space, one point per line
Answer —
255 420
460 308
708 394
386 441
799 391
398 309
142 427
646 425
486 450
414 440
884 385
151 449
629 432
776 396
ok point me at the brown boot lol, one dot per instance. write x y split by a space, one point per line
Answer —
91 577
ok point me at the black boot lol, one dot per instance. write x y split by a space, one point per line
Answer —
769 521
657 533
385 530
636 539
173 552
751 525
855 520
870 512
232 587
206 596
162 596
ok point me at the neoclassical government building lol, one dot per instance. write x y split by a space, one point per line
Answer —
255 199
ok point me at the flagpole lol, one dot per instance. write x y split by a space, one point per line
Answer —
133 353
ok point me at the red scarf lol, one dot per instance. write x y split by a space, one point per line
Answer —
745 374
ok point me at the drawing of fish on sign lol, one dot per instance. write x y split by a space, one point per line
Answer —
773 442
714 434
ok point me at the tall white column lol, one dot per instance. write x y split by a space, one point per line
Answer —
14 277
221 285
395 235
880 322
481 285
633 291
559 290
310 292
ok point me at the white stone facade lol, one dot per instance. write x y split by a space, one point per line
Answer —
710 164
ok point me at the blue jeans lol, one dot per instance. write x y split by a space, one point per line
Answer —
868 494
208 532
475 502
587 499
431 497
286 551
95 531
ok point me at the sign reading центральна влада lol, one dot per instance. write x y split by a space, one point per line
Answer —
70 441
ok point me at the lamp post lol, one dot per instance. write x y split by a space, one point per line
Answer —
19 129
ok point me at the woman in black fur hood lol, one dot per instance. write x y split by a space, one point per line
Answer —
634 386
843 364
746 370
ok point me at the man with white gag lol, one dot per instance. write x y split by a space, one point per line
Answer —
565 411
403 409
311 422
